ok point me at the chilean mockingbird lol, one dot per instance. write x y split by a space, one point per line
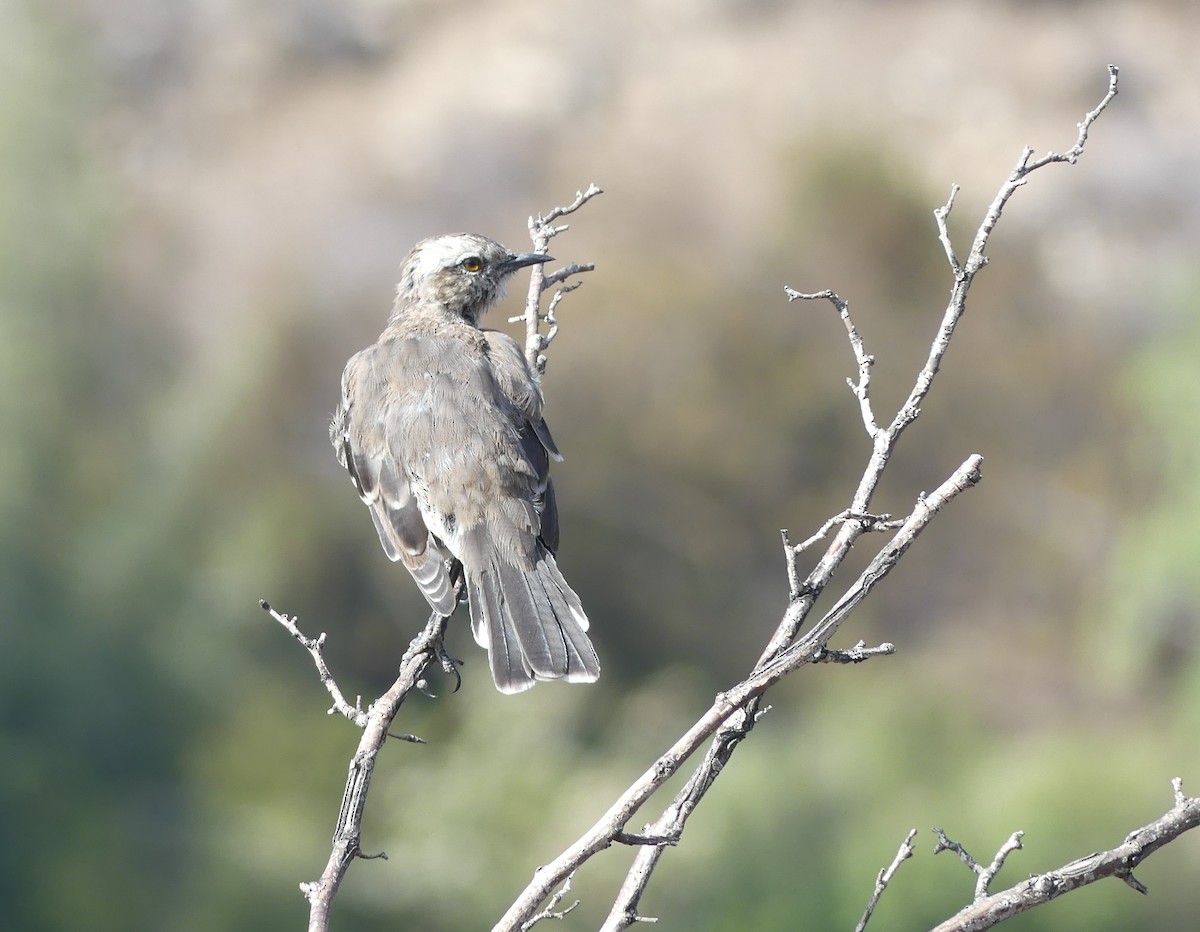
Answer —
441 429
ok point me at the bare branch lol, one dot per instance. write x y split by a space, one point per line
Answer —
730 718
861 388
988 874
977 259
542 225
735 712
792 551
1117 862
552 911
884 440
856 654
566 272
1071 156
378 718
541 231
984 875
941 215
813 643
946 843
313 646
905 852
669 827
868 522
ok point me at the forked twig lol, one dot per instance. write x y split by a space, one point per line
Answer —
541 231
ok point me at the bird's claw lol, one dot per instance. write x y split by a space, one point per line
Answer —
449 666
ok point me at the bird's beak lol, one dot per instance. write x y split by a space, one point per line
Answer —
522 259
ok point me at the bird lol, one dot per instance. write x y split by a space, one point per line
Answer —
440 427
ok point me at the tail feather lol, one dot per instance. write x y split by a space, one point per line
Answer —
578 656
531 622
541 642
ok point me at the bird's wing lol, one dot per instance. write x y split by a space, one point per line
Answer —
366 446
517 384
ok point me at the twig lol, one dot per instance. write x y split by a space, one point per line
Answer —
940 216
1120 862
988 874
945 843
861 388
541 231
985 875
313 646
563 274
791 551
1071 156
885 876
856 654
869 523
552 911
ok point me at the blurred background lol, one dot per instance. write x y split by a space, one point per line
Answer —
203 207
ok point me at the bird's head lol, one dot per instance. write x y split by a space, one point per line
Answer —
463 273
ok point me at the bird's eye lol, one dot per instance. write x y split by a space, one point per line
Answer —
472 263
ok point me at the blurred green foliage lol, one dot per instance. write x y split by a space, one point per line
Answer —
166 760
1148 630
92 725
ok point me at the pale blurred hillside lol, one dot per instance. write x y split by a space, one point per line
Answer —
204 205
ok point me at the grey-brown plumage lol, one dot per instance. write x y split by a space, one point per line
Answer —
440 426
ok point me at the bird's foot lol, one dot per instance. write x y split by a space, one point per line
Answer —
449 666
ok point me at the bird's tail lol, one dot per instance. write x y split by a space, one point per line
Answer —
530 621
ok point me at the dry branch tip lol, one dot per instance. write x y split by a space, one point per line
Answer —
884 877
